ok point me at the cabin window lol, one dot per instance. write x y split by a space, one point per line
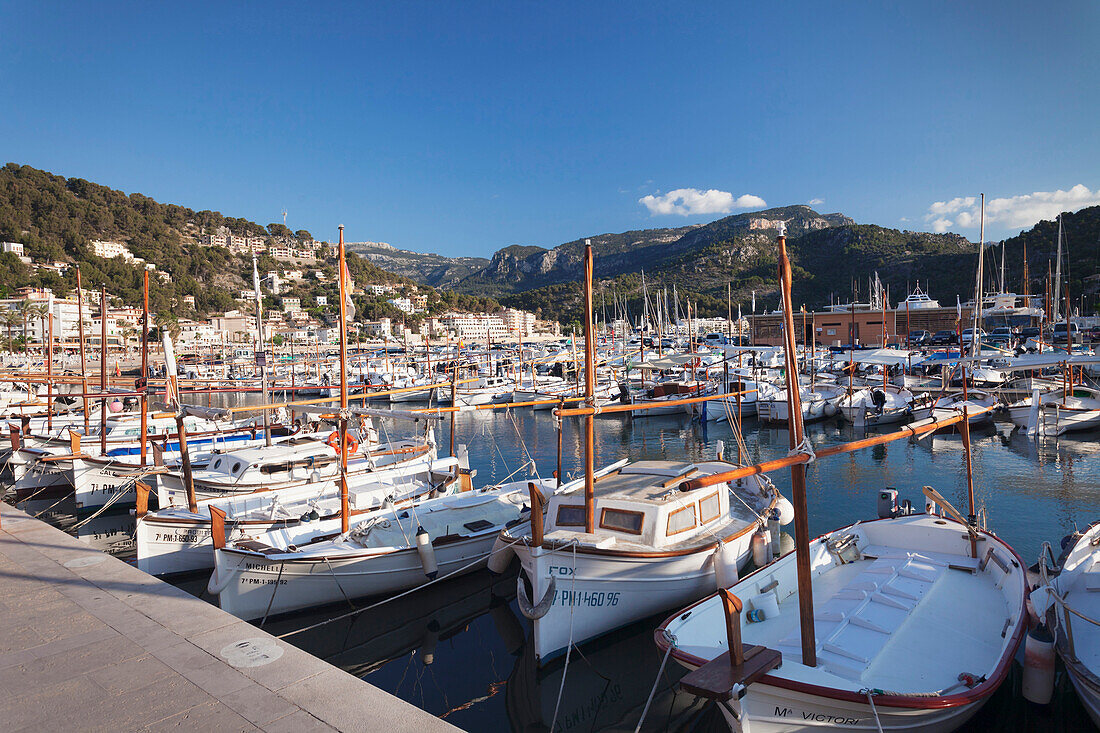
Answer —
621 520
217 463
681 520
708 508
570 515
236 467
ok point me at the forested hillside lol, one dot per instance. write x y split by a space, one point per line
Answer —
56 219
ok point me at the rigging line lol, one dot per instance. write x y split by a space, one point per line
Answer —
569 648
523 444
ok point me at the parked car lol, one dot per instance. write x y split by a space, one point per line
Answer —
1002 335
944 338
919 338
1060 332
715 339
968 335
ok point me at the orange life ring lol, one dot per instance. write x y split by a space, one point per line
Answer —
334 441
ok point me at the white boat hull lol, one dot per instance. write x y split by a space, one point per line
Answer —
606 592
255 586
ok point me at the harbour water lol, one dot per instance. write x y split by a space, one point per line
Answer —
456 649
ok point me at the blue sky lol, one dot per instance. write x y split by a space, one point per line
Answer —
461 128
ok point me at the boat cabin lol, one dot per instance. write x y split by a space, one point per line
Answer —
640 505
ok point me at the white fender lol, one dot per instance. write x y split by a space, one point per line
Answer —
501 556
540 609
427 553
761 548
1038 682
214 586
1033 414
786 510
725 566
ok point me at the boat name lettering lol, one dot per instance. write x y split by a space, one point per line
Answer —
818 717
556 570
592 599
184 537
262 581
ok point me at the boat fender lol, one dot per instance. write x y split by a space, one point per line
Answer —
501 556
773 531
725 566
829 409
786 510
427 553
761 548
1038 683
214 586
534 611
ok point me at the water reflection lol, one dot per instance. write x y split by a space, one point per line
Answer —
456 648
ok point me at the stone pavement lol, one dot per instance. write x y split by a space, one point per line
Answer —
89 642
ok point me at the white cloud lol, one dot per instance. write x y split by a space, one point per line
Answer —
1015 212
904 218
692 201
815 202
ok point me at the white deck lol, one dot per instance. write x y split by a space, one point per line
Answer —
905 621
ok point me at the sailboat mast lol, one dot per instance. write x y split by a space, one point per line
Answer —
589 392
1057 276
343 423
798 471
978 288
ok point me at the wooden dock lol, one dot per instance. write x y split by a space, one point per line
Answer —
90 643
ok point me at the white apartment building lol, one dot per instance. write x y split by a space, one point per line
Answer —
402 304
16 248
475 325
378 289
519 322
291 305
322 300
111 250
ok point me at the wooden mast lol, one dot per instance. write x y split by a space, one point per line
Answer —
49 375
798 472
83 363
589 392
103 370
343 423
144 364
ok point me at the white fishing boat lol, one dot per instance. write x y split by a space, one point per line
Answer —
818 403
484 391
623 543
655 544
297 461
304 565
918 300
176 540
1057 411
912 631
880 405
1059 600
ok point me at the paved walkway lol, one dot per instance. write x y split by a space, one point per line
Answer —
90 643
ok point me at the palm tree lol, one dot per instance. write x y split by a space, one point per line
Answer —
10 318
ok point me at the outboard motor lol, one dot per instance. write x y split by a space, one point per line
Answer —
887 503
